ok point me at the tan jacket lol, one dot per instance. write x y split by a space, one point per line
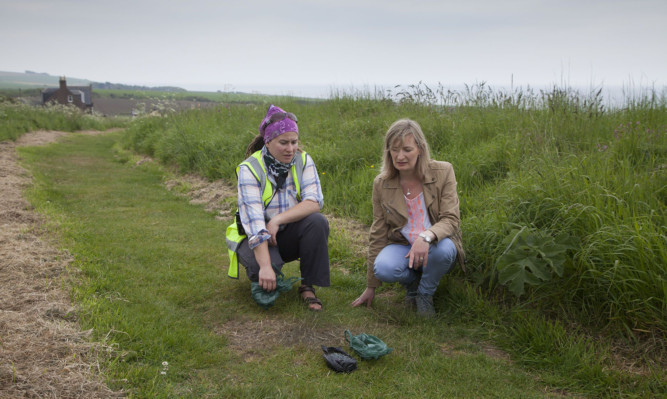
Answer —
390 213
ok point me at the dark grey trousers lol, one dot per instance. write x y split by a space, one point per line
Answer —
307 240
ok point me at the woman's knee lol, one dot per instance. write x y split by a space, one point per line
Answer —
385 272
390 263
317 222
388 270
444 251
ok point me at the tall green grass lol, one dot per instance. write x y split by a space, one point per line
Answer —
555 162
17 118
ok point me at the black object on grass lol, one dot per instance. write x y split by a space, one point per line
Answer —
338 360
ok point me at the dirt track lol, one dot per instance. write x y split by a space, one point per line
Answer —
43 353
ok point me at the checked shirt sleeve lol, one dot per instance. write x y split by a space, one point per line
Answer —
251 208
311 188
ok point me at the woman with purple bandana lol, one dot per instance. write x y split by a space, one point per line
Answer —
288 225
415 237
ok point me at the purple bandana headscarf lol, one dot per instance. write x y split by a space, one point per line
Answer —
277 128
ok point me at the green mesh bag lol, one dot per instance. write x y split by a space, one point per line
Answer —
367 346
266 299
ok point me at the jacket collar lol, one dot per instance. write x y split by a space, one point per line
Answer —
398 200
429 178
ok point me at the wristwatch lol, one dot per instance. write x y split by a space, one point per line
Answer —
425 237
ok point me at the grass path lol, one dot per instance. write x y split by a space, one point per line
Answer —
43 352
154 290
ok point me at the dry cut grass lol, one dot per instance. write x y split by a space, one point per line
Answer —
43 353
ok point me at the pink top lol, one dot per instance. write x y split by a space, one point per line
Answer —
418 220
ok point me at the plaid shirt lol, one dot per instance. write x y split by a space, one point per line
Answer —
251 209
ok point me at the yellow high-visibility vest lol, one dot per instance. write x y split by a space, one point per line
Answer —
257 167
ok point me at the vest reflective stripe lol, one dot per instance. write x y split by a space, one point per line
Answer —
232 243
259 170
256 166
233 240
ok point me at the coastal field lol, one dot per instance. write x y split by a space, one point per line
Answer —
563 215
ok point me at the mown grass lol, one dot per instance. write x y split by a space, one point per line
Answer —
154 290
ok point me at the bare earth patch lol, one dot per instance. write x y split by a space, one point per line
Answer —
43 353
252 339
215 196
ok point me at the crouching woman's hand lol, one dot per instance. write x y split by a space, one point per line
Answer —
366 297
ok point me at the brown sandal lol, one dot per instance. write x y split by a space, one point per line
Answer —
310 300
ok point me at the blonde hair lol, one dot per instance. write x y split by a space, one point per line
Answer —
398 131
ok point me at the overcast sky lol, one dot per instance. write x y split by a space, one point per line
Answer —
220 44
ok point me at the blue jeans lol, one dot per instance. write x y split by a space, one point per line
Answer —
391 265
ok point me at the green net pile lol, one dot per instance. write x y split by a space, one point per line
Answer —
266 299
367 346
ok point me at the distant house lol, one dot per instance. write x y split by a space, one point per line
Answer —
80 96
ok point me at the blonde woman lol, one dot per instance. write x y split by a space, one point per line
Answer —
415 238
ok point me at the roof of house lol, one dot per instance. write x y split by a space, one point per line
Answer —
87 92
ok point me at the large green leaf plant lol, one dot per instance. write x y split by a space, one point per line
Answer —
532 257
